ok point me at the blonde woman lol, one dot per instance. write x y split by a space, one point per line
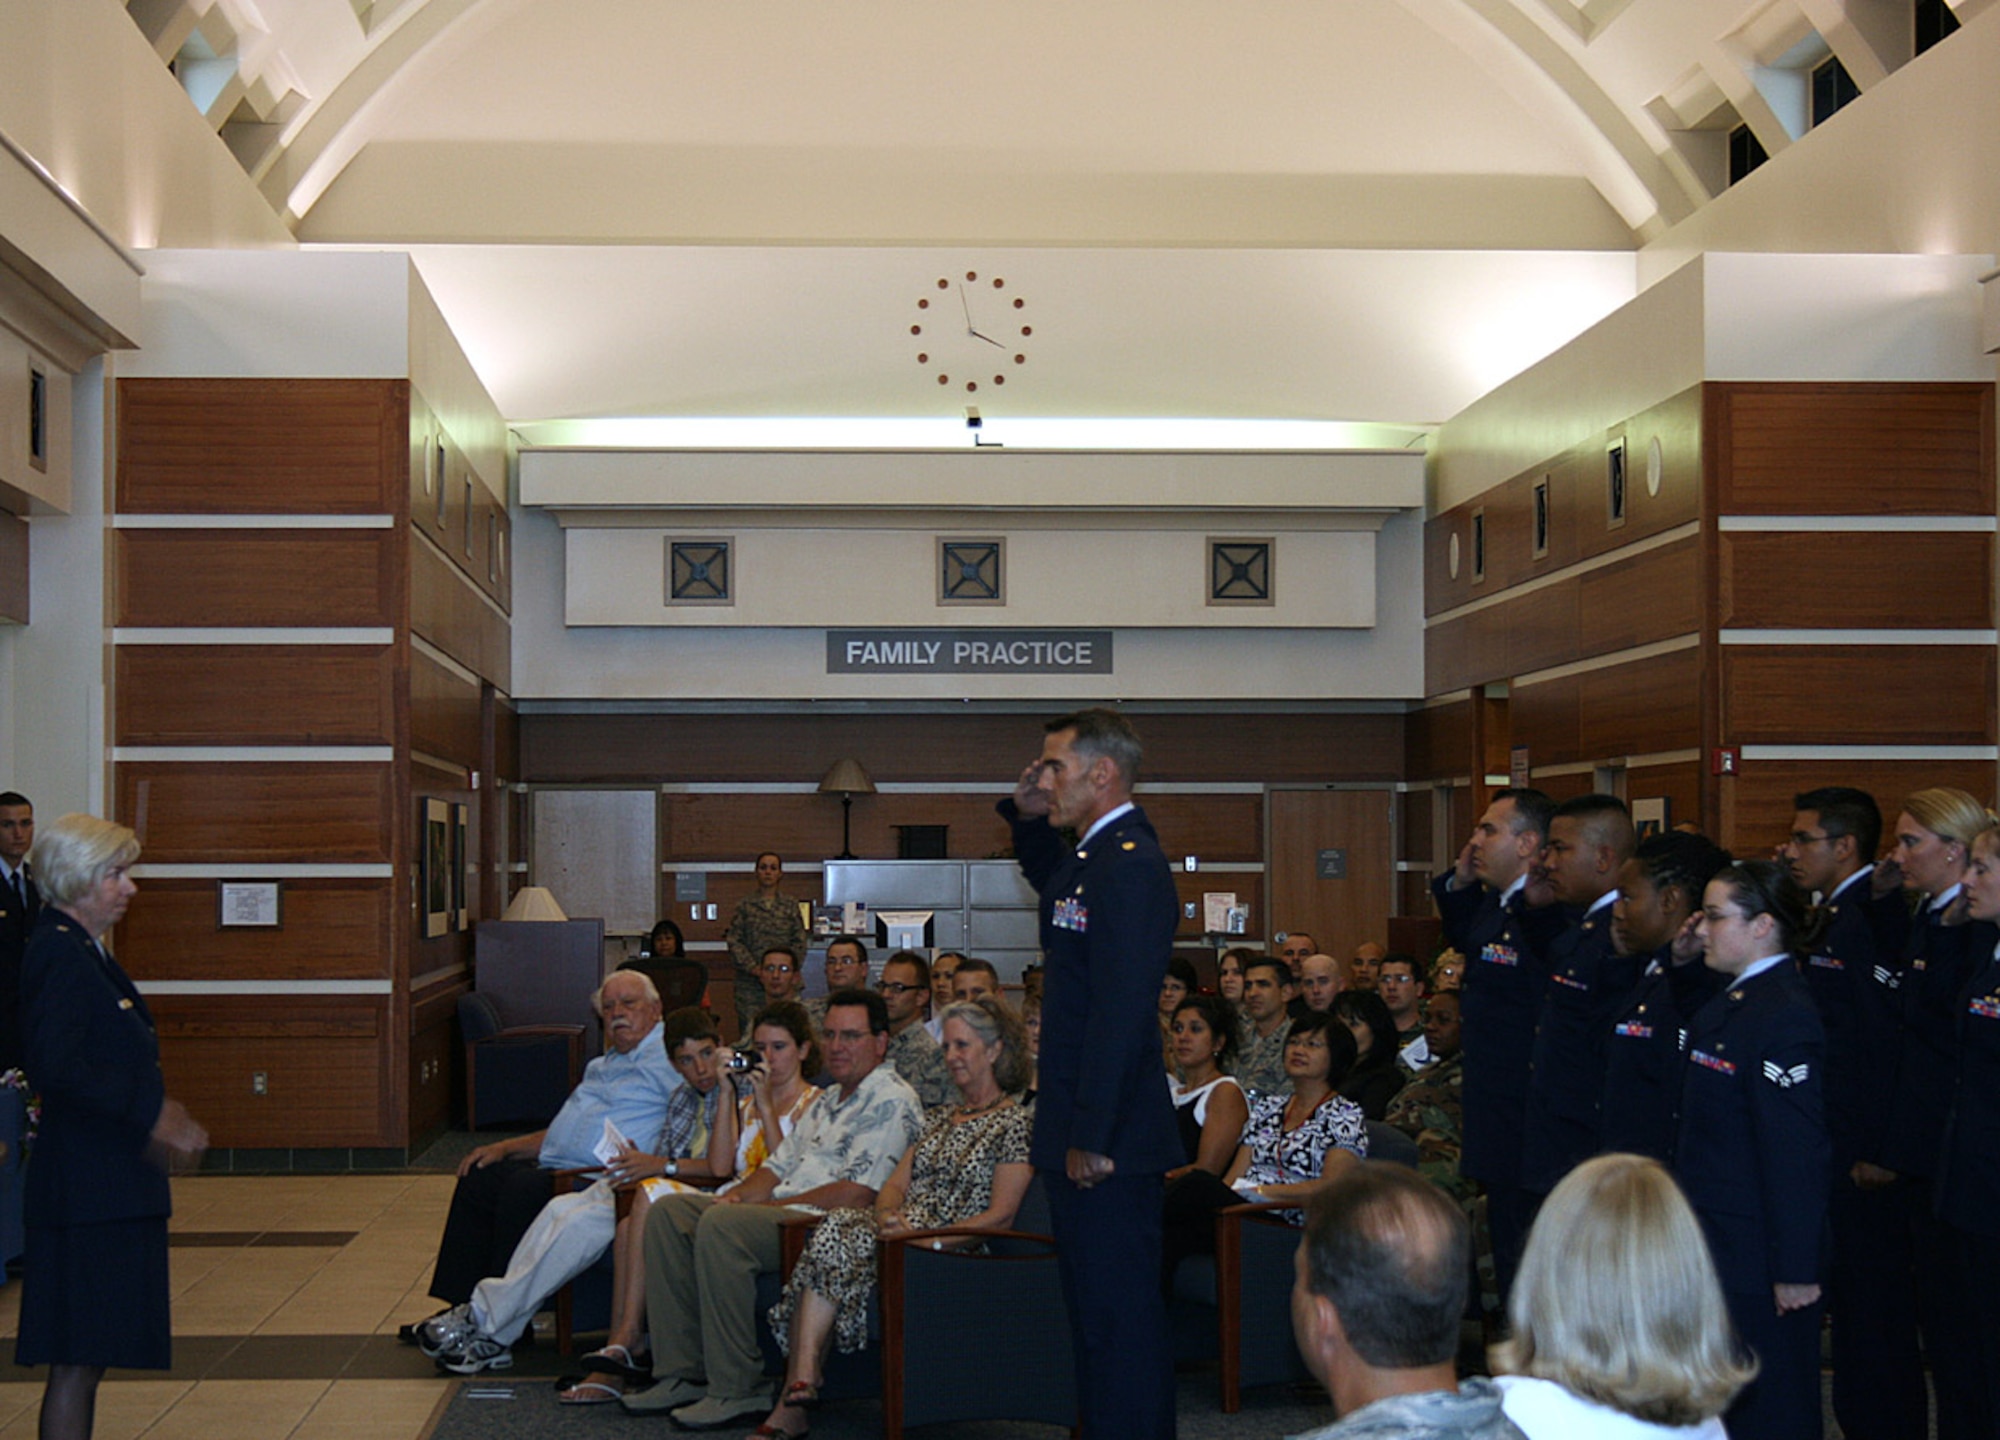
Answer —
1620 1330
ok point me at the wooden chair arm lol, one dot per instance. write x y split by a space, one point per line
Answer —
933 1239
520 1030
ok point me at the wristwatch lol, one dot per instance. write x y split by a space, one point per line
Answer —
673 1168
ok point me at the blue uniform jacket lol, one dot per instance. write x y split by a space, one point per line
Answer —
1939 963
96 1063
1751 1151
1502 993
17 923
1968 1178
1589 982
1644 1048
1109 911
1863 934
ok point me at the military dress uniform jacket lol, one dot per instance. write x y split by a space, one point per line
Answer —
1968 1177
1751 1149
1108 915
17 923
1502 994
1864 933
1589 982
1939 966
96 1062
1644 1049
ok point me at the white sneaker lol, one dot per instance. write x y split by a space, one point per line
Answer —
447 1330
479 1352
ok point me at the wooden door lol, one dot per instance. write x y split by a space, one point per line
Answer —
1339 913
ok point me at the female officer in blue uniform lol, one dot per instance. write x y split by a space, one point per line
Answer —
94 1287
1752 1150
1968 1182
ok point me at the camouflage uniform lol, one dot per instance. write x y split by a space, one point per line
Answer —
1428 1110
920 1060
1260 1061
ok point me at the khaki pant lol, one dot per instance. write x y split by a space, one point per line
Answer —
702 1264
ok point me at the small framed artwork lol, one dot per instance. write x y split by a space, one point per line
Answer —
253 904
1614 484
461 854
1651 816
435 881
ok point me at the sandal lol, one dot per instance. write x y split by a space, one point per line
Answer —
801 1395
590 1392
768 1431
617 1360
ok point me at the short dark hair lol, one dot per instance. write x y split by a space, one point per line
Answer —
1533 809
1403 957
15 797
854 940
1180 968
911 957
1269 962
1842 810
796 1021
1680 859
1340 1047
1102 732
1392 1252
1220 1017
690 1022
978 967
785 950
664 927
1764 887
869 1000
1604 818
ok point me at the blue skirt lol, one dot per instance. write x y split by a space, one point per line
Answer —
96 1295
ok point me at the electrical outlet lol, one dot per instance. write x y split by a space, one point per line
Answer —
1187 910
711 910
260 1082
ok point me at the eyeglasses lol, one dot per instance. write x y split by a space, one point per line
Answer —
897 987
777 969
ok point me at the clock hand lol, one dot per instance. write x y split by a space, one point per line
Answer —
966 306
987 338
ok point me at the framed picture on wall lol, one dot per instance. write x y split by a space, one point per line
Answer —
1651 816
434 836
461 855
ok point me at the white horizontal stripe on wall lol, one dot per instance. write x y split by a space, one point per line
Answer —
1622 762
431 652
1859 524
290 870
1857 637
1581 567
1415 867
263 987
1605 662
290 754
1870 752
252 635
253 522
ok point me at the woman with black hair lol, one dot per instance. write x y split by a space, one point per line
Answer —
1374 1080
1752 1149
1209 1105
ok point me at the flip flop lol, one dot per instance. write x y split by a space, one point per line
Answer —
801 1395
768 1431
617 1360
590 1392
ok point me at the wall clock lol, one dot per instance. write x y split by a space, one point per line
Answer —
971 330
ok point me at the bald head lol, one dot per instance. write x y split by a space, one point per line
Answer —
1319 981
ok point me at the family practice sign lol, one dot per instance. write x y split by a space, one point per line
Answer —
968 652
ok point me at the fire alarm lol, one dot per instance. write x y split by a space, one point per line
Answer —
1723 760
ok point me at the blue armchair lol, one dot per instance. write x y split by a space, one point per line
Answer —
515 1074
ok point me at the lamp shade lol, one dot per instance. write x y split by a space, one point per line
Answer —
534 903
846 778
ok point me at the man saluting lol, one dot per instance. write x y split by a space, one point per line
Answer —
1104 1127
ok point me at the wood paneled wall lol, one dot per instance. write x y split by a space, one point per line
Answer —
1776 620
423 557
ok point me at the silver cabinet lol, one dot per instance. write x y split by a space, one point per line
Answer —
982 907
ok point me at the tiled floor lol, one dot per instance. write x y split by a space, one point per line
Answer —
287 1294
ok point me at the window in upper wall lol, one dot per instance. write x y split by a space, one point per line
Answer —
1934 21
38 419
1614 484
1746 153
1240 572
698 572
1539 542
1832 87
1478 545
972 572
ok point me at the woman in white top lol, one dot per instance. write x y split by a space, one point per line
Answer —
771 1095
1208 1103
1620 1328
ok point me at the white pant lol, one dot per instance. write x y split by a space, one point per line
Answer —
565 1240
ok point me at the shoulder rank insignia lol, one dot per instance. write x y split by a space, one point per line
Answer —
1129 845
1888 978
1786 1079
124 1004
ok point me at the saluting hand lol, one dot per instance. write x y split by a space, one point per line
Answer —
1030 799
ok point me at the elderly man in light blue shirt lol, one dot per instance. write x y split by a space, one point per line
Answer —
503 1186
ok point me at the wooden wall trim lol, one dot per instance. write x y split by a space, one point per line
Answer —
311 578
1878 580
255 694
259 811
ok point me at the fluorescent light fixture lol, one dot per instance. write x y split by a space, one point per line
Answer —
949 432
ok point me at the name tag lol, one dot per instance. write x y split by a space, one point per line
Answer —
1828 962
1713 1062
1071 914
1500 955
1633 1030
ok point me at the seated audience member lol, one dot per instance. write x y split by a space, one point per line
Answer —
1620 1329
1229 973
846 969
663 952
1366 965
1031 1024
1208 1102
1176 985
1293 1147
770 1098
783 976
906 989
1031 986
573 1230
941 971
1447 972
1374 1080
504 1185
1430 1108
1402 992
1260 1038
975 980
969 1168
1319 982
1293 947
1378 1291
703 1253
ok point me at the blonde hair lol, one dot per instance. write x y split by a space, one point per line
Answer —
1948 813
76 852
1617 1299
